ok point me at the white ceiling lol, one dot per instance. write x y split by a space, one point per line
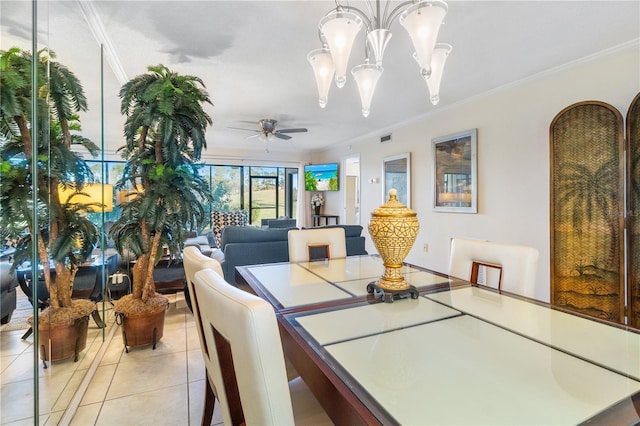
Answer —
251 56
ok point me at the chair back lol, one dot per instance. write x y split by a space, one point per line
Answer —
195 261
516 264
249 373
316 243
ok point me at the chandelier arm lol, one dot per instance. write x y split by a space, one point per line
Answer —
397 11
375 14
367 51
323 39
386 13
358 12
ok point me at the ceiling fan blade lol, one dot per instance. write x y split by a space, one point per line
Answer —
253 136
281 136
300 130
241 128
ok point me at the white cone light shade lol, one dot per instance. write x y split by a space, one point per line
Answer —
422 21
340 30
367 76
323 69
440 55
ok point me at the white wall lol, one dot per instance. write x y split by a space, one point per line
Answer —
513 157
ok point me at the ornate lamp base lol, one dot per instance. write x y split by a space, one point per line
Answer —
389 296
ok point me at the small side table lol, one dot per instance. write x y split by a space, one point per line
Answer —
317 219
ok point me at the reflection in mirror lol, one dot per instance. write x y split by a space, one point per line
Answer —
45 393
396 173
455 172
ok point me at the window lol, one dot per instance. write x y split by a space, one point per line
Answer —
266 192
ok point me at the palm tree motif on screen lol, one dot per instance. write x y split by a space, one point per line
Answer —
590 197
587 206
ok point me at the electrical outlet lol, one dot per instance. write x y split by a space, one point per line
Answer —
426 247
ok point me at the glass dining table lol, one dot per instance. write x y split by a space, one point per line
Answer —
458 354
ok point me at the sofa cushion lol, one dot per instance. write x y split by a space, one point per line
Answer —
217 254
197 241
349 230
281 223
212 239
201 242
250 234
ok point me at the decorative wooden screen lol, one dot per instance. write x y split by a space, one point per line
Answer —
633 218
587 210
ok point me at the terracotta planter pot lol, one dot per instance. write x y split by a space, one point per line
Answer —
142 329
61 341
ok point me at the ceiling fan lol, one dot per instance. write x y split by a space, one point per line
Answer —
268 130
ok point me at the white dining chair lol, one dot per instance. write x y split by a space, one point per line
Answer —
515 265
194 261
315 244
249 373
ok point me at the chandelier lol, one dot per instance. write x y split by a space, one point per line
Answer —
339 27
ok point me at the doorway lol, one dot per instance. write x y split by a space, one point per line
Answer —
352 190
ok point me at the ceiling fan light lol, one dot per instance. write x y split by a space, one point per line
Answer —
440 55
366 76
340 29
422 21
266 137
323 69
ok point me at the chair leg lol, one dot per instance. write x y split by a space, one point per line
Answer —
27 333
209 404
96 317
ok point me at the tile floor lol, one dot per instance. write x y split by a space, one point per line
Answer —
164 386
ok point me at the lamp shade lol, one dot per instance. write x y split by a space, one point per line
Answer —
422 21
367 76
97 196
438 60
323 69
126 195
340 29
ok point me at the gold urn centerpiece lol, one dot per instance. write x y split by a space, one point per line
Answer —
393 228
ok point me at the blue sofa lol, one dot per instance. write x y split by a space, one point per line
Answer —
248 245
8 284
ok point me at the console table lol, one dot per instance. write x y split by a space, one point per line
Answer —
317 219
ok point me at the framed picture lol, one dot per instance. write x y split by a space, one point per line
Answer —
396 173
455 172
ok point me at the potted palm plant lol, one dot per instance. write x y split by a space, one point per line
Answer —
63 235
165 135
